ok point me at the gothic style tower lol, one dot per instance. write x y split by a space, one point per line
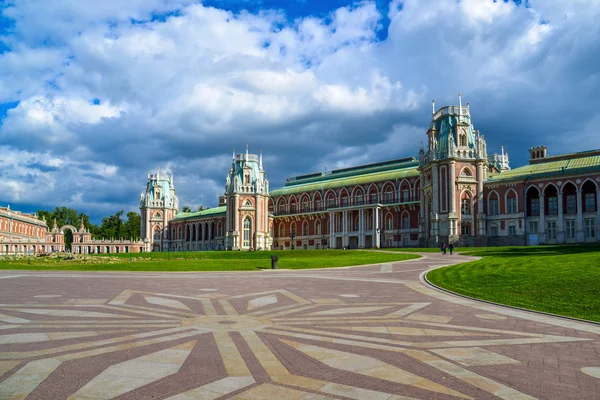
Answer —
452 173
247 197
158 204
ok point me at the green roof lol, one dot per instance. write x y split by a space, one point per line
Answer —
211 212
567 164
384 171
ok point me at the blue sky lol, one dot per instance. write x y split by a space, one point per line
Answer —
94 94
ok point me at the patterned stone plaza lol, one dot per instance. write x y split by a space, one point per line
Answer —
372 332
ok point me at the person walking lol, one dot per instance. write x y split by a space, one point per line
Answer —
443 247
451 247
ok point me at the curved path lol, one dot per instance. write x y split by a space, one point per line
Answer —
372 332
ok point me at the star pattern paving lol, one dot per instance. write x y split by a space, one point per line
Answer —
272 344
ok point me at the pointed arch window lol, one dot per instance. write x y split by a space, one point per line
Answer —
247 231
305 228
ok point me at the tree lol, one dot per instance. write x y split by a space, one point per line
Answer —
132 226
67 216
201 208
186 209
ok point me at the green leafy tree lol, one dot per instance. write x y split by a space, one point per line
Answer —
186 209
67 216
201 208
112 227
132 226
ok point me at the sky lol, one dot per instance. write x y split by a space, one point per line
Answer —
94 94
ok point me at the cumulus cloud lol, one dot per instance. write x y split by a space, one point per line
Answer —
111 89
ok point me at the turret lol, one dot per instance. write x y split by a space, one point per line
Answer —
158 204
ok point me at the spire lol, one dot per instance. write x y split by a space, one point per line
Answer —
233 157
158 174
81 226
459 106
148 174
54 225
260 161
432 107
246 153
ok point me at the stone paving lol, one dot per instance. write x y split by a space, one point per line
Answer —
373 332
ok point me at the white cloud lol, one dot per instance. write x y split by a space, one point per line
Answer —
180 84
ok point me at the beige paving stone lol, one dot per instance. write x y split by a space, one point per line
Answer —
25 380
429 318
270 391
162 301
263 301
234 363
592 371
474 356
6 366
227 307
490 316
349 310
129 375
371 367
70 313
216 389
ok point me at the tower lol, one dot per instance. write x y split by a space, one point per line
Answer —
158 204
247 196
452 172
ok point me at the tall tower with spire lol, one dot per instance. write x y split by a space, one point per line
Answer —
452 171
247 196
158 204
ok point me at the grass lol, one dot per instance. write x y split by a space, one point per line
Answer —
562 280
205 261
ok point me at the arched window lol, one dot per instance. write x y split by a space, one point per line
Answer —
281 230
465 205
389 223
533 202
466 172
589 197
511 202
570 198
551 199
463 139
318 227
493 205
247 231
305 228
293 229
405 221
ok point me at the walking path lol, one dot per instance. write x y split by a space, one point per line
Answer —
373 332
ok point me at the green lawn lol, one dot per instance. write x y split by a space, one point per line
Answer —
562 280
206 261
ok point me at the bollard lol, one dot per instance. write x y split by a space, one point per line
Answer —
274 260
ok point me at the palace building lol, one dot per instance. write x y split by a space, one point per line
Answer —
454 191
22 233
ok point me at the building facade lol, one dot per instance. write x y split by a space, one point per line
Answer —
22 233
453 192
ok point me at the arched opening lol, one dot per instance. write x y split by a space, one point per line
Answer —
533 202
550 200
247 232
305 228
569 192
511 202
406 220
493 204
589 197
465 204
